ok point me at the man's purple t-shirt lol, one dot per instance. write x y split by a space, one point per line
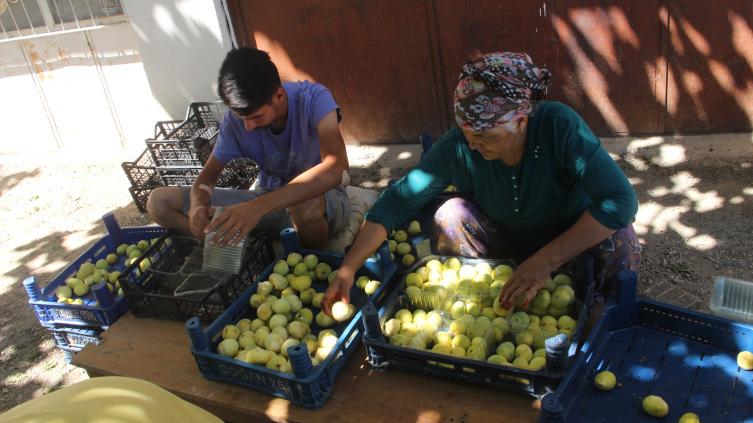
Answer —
284 156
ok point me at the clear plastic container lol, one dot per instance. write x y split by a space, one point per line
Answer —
224 258
732 299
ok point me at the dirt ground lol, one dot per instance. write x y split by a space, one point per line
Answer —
695 222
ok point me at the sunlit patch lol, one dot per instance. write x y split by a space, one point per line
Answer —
670 155
7 352
748 191
667 217
683 181
745 165
139 32
636 146
641 373
681 229
16 378
742 36
79 239
704 201
696 38
641 143
659 191
404 155
38 261
417 180
635 181
52 267
702 242
644 217
736 200
165 22
638 164
622 27
288 70
428 416
277 409
590 76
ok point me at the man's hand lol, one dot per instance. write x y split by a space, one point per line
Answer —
338 290
198 219
235 223
526 281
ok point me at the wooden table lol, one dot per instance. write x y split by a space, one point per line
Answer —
158 351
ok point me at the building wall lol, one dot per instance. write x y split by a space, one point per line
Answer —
104 88
629 67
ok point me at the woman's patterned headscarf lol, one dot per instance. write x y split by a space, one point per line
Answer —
497 88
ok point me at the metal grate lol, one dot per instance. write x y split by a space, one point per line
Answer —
21 19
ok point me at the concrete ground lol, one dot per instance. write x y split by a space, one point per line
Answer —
694 221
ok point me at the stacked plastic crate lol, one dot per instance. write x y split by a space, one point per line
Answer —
179 150
76 317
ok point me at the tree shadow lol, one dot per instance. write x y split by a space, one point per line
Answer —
31 363
8 182
693 220
659 67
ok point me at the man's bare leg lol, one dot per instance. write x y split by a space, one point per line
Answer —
310 222
165 206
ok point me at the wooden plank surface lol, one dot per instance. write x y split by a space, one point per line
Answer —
158 351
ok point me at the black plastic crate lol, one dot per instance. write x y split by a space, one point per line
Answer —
190 142
238 173
179 175
207 113
561 352
141 172
165 127
152 293
141 196
181 152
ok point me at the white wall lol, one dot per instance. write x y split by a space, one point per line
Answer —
103 89
182 44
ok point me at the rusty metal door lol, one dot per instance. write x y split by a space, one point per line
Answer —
375 56
627 66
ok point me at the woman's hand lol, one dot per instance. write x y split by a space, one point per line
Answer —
526 281
338 290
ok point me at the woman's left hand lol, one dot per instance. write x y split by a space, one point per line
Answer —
526 281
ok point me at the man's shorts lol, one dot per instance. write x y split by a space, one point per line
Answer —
337 208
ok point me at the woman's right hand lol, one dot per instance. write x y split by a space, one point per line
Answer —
338 290
198 219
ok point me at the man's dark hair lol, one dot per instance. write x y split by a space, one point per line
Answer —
247 80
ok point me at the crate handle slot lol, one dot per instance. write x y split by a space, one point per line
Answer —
113 228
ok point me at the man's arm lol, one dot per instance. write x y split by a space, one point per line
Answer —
369 238
207 178
237 221
319 179
199 214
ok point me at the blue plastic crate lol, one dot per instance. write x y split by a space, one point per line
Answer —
561 353
71 337
101 308
685 357
308 386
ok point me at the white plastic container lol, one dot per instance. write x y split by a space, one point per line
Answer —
732 299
